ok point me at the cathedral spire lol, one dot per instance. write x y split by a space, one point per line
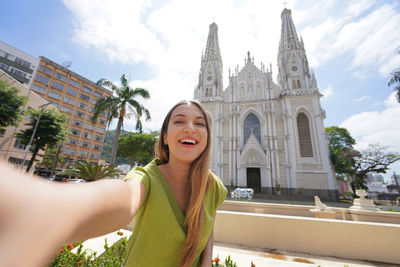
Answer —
289 39
212 48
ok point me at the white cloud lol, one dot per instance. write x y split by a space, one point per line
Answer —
363 98
376 126
170 38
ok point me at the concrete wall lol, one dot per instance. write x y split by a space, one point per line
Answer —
325 237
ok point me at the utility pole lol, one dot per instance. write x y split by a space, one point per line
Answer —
53 169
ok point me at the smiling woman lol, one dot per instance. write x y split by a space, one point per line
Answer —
173 199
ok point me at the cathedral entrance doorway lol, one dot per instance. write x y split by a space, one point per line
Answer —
254 179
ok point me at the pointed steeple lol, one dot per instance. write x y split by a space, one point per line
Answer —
289 38
210 78
212 48
293 68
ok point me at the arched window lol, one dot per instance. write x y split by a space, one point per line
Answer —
251 125
303 128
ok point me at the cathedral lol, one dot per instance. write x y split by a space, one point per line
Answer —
267 136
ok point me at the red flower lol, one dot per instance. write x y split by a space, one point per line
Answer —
252 265
61 250
79 262
216 260
71 247
120 233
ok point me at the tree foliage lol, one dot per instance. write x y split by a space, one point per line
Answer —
11 105
91 172
122 104
375 158
394 80
340 149
50 156
138 148
51 130
107 145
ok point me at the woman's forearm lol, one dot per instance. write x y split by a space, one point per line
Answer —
206 255
37 217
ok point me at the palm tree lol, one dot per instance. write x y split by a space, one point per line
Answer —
122 104
395 79
90 172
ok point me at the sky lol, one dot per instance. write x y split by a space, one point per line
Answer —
350 44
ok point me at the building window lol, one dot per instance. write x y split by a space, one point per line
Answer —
4 67
66 109
72 141
95 155
99 138
57 85
18 145
83 154
97 94
75 132
82 105
87 135
94 101
54 94
42 79
22 62
102 122
85 144
80 114
39 89
77 123
60 76
100 130
84 97
86 89
75 83
104 114
89 117
69 100
251 125
89 126
54 103
92 109
96 147
18 72
45 70
303 129
69 151
17 161
71 91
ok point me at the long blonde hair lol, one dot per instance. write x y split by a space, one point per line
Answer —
199 181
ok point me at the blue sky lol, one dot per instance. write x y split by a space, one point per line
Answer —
157 44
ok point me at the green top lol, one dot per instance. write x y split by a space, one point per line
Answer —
159 234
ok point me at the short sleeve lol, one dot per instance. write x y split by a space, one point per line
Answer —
141 175
220 191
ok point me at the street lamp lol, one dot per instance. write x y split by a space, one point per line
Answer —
28 147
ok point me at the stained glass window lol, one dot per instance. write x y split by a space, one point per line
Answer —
251 124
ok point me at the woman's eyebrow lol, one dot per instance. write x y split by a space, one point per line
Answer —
181 115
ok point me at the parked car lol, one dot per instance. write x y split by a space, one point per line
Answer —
75 180
57 179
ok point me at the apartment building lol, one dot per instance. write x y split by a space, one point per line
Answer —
17 64
10 149
76 96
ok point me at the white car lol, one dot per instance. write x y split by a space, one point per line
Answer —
75 180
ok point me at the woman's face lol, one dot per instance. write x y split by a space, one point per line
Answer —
186 136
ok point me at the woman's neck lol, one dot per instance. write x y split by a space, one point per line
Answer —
178 171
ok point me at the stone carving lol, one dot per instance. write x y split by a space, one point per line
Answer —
319 206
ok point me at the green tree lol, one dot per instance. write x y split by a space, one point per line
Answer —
340 149
91 172
107 145
11 105
51 130
122 104
50 156
138 148
394 79
375 158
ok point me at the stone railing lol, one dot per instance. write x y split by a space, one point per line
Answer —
298 92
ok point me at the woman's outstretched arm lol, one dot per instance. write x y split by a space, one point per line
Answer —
37 217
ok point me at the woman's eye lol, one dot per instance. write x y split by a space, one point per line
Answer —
178 122
200 124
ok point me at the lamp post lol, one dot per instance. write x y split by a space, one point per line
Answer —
28 147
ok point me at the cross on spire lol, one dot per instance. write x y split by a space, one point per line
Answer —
284 4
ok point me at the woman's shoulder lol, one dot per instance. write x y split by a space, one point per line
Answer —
218 189
143 174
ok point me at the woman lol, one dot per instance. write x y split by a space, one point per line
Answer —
175 198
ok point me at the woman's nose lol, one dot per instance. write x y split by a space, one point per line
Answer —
189 127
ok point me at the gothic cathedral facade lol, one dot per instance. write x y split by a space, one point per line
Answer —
267 136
